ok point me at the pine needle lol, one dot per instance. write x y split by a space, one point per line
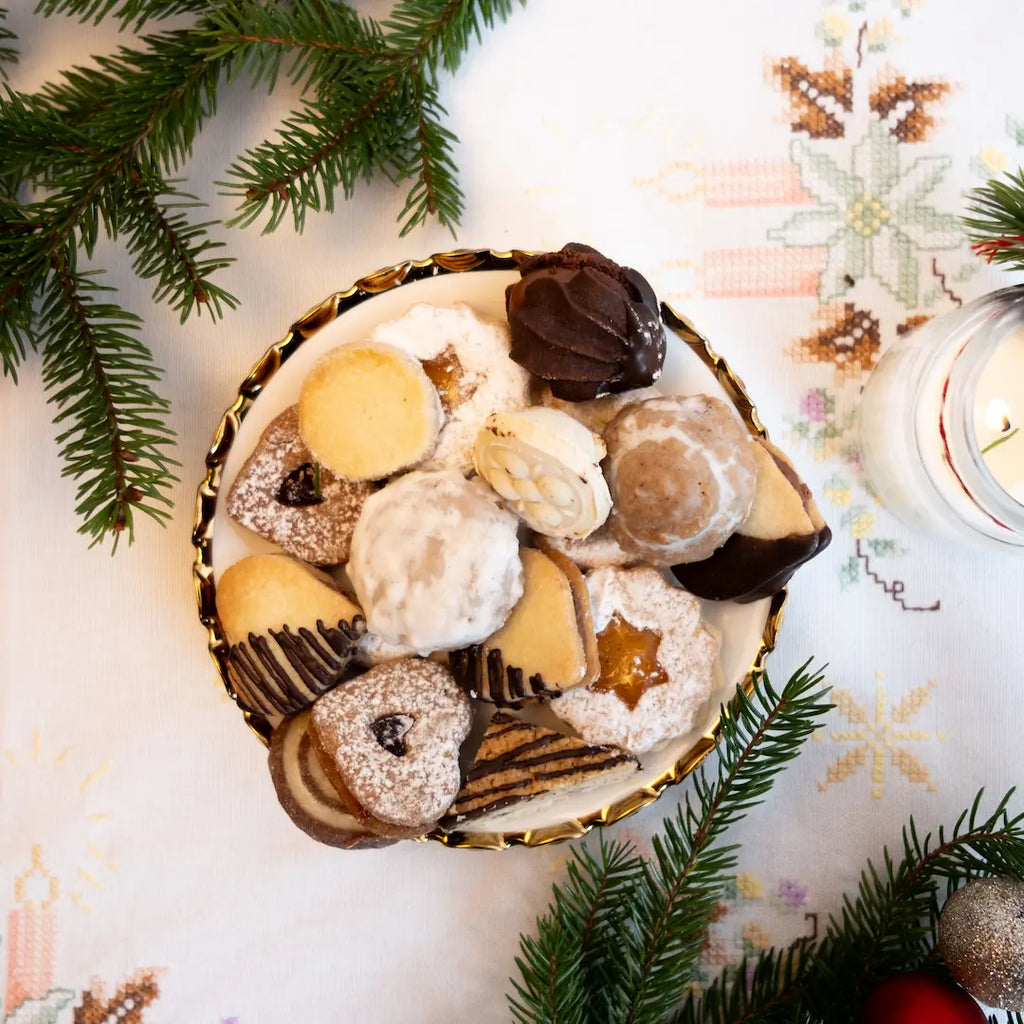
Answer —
996 222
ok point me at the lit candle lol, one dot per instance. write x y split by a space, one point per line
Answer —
940 424
31 934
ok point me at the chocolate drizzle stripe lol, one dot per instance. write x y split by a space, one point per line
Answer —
495 764
278 691
291 690
316 647
526 764
305 664
255 690
460 810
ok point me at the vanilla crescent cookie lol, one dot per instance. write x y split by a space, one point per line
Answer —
466 358
657 662
547 468
368 410
435 561
389 742
682 473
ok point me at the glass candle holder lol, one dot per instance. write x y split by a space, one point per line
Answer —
942 424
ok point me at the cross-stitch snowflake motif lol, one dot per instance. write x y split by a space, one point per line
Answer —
871 216
879 737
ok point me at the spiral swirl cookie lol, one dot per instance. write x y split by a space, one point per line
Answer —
283 495
305 792
368 410
292 633
547 468
466 358
435 561
657 662
682 474
389 741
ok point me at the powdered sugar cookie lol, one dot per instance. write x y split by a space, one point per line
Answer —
282 494
389 741
466 357
657 662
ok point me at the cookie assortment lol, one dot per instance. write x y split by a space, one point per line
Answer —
496 540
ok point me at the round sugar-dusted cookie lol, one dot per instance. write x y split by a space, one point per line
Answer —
284 495
682 474
657 662
292 633
389 741
368 410
305 792
466 358
435 561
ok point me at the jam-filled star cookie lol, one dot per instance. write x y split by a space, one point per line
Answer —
657 662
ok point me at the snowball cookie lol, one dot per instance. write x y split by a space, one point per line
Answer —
435 561
682 474
368 410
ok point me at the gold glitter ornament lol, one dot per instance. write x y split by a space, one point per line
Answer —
981 938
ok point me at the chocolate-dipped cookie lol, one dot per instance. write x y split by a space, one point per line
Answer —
285 496
585 324
783 530
520 762
292 633
547 644
305 792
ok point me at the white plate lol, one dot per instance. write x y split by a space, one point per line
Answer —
747 630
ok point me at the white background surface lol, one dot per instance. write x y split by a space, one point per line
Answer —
115 737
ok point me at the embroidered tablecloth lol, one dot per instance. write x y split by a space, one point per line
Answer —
789 176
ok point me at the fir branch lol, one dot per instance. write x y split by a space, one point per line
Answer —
996 224
8 52
435 191
129 12
99 375
658 931
165 246
436 31
329 144
316 43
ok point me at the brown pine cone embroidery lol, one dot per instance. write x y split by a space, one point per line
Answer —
850 341
894 94
124 1007
818 98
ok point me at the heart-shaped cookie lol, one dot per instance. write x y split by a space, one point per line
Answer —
287 497
389 742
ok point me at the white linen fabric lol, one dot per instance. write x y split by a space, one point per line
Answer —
786 175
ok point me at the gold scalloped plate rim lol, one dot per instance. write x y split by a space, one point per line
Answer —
456 262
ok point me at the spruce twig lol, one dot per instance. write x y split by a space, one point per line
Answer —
99 150
645 949
995 223
8 51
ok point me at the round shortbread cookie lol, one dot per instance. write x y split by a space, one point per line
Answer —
368 410
657 662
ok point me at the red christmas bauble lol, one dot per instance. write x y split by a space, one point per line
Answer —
920 997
